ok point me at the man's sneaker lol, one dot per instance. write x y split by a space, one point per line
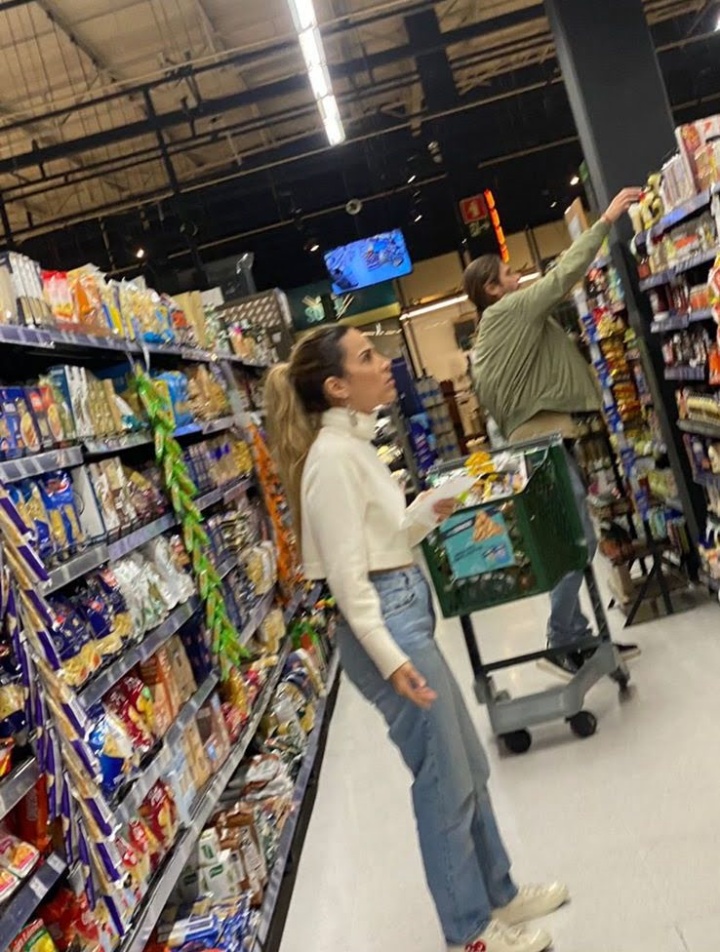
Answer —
563 665
566 665
500 938
628 652
533 902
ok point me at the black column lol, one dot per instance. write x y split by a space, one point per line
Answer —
438 83
626 129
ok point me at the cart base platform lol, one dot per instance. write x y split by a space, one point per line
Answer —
511 718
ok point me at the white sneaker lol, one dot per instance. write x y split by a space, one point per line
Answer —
500 938
533 902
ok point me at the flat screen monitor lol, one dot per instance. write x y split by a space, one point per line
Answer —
369 261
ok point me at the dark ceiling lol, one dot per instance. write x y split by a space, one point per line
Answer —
197 137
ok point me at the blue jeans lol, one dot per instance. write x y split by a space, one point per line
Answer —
466 865
567 624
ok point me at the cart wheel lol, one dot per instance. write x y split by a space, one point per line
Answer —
501 697
517 742
583 724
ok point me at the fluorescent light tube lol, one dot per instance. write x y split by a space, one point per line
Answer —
313 51
303 14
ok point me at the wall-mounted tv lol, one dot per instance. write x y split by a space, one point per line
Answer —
369 261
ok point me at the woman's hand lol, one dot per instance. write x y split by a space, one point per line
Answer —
444 509
410 684
621 203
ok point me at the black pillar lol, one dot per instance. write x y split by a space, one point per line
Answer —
463 178
626 130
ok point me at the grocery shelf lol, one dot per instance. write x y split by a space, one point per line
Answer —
272 891
101 683
217 426
116 444
17 784
21 906
700 428
134 540
687 264
153 904
238 489
708 480
146 533
50 338
159 765
686 373
226 567
656 280
13 469
78 566
257 616
685 210
119 444
293 607
678 322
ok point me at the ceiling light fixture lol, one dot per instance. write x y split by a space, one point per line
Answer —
140 254
575 180
553 204
413 178
313 51
314 247
418 218
717 24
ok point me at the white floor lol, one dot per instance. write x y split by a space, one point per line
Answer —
630 818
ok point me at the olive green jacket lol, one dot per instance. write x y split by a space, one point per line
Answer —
523 362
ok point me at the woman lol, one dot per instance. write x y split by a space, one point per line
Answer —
321 416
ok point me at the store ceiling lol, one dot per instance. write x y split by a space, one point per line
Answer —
169 123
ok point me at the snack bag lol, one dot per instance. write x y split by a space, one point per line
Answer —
111 744
118 702
33 938
159 811
73 642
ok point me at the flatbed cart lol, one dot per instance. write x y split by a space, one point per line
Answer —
516 546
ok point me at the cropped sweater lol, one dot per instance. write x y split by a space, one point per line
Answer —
352 510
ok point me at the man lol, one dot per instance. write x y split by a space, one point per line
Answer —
534 382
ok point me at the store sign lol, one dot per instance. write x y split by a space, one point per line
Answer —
479 215
474 209
316 304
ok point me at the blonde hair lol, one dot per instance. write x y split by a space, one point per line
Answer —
294 402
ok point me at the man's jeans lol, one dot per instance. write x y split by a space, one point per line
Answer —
567 624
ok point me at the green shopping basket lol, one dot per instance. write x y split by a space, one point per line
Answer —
510 548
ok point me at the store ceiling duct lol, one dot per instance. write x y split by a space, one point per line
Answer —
313 51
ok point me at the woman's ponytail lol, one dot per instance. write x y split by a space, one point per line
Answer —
295 400
291 433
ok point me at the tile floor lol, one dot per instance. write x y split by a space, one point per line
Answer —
630 818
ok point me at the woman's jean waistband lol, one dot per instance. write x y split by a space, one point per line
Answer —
387 578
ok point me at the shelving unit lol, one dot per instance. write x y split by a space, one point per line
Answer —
631 445
103 549
300 809
17 784
164 882
680 285
21 906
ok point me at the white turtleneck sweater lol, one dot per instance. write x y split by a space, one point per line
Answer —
352 509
